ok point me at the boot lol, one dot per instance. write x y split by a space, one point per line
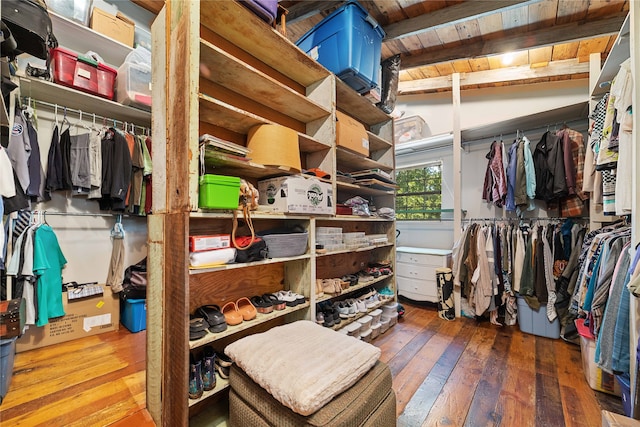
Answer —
195 378
209 369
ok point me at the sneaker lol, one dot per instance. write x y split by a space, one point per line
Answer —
320 318
361 306
342 309
351 306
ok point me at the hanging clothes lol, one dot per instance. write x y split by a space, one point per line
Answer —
19 150
116 171
54 166
495 183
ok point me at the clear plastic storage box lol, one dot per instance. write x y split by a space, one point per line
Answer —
134 85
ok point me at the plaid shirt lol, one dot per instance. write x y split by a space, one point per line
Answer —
573 205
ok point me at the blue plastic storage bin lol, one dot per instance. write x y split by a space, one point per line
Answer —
348 43
625 388
7 354
133 314
535 321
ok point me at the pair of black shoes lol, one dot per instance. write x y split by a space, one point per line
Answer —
207 317
202 373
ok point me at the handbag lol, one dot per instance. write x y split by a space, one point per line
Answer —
12 317
134 284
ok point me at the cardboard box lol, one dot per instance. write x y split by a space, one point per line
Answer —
296 194
609 419
351 134
84 317
118 27
598 379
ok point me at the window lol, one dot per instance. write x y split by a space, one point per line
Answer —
419 196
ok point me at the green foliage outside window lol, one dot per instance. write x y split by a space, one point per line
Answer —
420 195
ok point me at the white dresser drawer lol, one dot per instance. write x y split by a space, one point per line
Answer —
416 271
435 257
418 289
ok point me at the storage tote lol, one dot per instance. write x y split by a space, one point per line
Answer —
134 314
282 244
7 355
267 10
348 43
219 192
134 85
535 321
82 73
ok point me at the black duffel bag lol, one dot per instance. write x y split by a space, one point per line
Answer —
30 25
134 284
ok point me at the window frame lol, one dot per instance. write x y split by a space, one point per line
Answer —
427 214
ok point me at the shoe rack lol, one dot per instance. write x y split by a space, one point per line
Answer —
218 69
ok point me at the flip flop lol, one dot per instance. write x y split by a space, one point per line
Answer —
278 304
246 309
213 316
231 314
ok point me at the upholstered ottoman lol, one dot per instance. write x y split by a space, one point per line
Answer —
302 374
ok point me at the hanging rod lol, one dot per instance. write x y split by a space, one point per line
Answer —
528 219
106 215
81 113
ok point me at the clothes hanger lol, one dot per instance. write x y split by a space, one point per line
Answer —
117 232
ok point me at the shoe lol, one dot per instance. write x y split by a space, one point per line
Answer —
288 297
277 303
264 306
246 309
342 309
361 306
208 369
231 314
320 318
213 316
195 378
351 305
319 291
197 328
223 365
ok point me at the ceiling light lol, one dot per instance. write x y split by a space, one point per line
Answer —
507 58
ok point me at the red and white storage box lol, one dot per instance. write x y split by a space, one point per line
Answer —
134 85
82 73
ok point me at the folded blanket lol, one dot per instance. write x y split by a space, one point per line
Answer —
212 258
302 364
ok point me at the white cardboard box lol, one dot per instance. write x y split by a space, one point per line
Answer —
296 194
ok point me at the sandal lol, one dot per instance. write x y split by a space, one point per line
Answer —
223 365
262 304
213 316
278 304
246 309
231 314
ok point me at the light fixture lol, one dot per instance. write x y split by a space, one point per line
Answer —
507 58
436 141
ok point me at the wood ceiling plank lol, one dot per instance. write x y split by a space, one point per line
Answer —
571 11
153 6
499 76
600 8
462 66
519 41
445 68
409 44
565 51
542 14
541 54
307 9
516 17
388 11
491 26
468 30
479 64
429 39
587 47
448 35
447 16
495 62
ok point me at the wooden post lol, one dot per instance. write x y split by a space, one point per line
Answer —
457 174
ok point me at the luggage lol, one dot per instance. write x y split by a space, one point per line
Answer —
30 25
265 9
12 317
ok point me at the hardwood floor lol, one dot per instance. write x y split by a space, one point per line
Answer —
459 373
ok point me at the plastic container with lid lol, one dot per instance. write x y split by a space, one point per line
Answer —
134 85
375 315
384 324
219 192
82 73
365 321
375 330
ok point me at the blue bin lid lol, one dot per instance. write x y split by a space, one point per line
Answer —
350 3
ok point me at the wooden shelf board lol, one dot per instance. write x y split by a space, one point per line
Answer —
221 385
239 77
221 114
242 28
355 218
42 90
355 188
254 215
81 39
358 161
247 168
376 143
260 318
353 104
203 270
348 251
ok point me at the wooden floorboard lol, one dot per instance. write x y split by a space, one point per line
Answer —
445 373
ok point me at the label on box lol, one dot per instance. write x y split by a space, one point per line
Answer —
205 243
84 73
365 143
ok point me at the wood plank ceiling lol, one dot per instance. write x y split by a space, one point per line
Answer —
493 43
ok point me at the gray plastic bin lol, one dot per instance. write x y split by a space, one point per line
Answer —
7 354
535 321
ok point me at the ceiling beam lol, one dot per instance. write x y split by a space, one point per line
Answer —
153 6
448 16
523 72
306 9
549 36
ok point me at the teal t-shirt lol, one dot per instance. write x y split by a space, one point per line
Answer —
48 261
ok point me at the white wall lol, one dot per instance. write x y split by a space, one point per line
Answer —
478 107
85 240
